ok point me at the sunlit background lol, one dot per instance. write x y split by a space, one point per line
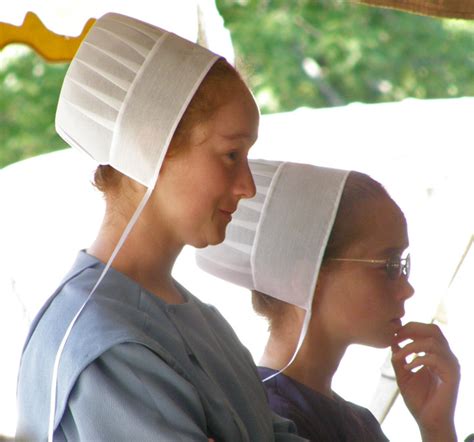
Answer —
384 92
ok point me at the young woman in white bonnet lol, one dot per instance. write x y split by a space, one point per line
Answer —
324 253
121 351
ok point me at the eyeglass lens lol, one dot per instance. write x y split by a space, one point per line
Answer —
396 266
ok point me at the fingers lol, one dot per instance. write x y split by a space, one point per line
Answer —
426 347
413 330
422 346
425 360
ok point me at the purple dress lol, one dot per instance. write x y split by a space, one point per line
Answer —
317 417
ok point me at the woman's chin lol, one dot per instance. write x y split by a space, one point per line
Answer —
213 240
381 341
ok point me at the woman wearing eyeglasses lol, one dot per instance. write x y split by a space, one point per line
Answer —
324 253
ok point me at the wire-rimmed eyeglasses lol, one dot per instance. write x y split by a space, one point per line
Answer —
395 266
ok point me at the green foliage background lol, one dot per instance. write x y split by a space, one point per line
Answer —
351 53
29 91
364 54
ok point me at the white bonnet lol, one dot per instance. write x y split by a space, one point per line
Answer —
126 91
276 241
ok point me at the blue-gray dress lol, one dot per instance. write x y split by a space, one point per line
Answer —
137 369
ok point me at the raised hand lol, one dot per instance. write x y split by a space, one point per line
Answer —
429 383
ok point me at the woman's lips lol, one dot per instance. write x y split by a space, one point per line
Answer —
227 214
397 322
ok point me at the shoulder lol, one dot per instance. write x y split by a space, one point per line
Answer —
318 417
285 399
138 371
364 414
363 421
285 405
212 315
131 366
118 312
145 399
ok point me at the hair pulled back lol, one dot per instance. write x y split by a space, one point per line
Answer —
359 188
347 227
214 91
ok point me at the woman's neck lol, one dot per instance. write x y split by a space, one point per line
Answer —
315 364
147 256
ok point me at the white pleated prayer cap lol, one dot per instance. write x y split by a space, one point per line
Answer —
126 91
276 241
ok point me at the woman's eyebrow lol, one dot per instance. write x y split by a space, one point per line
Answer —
238 135
393 250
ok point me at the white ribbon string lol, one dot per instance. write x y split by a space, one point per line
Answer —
54 381
304 330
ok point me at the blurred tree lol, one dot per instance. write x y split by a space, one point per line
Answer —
331 52
297 53
29 91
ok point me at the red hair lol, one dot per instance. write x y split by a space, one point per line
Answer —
213 92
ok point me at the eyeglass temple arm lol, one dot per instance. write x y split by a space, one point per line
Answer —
372 261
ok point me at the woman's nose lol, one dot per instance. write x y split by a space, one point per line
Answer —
405 290
245 186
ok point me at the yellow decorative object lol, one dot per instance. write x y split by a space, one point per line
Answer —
51 46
